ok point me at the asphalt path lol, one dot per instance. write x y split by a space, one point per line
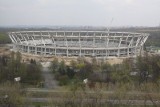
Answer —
91 100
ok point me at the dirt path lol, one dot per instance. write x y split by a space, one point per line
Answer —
50 82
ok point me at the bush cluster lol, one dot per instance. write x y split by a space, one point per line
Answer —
12 67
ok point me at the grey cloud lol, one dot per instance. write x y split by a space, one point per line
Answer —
80 12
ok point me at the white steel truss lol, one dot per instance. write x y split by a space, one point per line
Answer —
79 43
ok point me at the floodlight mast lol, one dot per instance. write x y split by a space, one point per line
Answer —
107 39
108 28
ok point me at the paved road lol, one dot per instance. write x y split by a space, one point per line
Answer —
50 82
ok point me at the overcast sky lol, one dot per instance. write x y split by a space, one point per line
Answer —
80 12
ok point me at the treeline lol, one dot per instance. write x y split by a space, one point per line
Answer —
12 66
4 38
144 69
153 39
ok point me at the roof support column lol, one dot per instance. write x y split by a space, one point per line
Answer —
119 45
94 44
127 44
35 50
137 42
131 45
79 37
28 49
54 43
66 43
106 42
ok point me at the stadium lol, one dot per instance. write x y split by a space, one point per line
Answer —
79 43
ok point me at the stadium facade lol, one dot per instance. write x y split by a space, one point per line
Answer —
79 43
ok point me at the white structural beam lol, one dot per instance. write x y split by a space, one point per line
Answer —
143 40
13 36
10 35
138 40
42 40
